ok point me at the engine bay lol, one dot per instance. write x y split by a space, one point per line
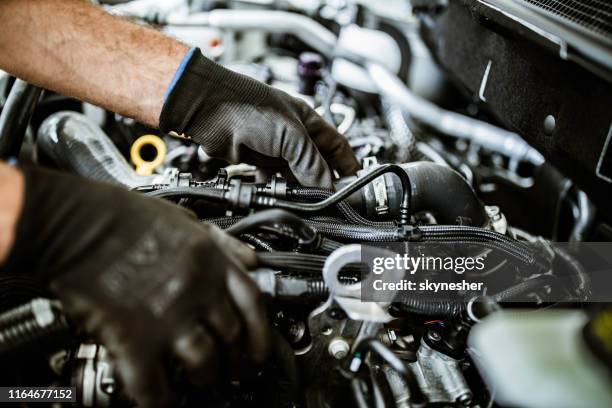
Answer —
443 179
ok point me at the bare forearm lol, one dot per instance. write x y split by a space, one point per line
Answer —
11 191
77 49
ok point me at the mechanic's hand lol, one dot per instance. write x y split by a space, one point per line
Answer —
239 119
142 275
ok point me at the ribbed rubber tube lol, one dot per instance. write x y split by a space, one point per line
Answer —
74 142
21 328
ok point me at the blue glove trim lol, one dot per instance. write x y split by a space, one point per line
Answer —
179 71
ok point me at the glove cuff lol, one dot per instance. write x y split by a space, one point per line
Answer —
180 70
207 101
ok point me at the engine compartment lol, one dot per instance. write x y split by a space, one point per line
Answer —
441 178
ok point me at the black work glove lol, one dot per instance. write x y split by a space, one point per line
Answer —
239 119
142 276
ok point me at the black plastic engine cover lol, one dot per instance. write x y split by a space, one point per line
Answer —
562 107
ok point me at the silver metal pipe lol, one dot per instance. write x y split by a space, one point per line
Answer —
451 123
307 30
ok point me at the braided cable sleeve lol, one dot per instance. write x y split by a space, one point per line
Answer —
257 242
345 192
306 193
338 229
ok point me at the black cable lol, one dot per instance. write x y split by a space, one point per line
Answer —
207 193
520 289
257 242
20 327
343 207
223 222
582 281
339 229
429 307
456 234
345 192
271 218
327 246
473 235
301 263
156 187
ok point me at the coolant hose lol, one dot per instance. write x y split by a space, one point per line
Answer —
77 144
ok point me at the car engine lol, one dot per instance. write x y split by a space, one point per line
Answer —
483 128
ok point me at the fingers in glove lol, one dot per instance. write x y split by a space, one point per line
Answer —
144 378
196 350
248 300
305 160
224 320
333 146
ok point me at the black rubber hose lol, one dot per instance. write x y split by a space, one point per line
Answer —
223 222
207 193
37 322
15 117
429 307
346 191
457 234
327 246
270 218
279 221
338 229
75 143
300 263
437 189
473 235
582 281
292 262
520 289
348 212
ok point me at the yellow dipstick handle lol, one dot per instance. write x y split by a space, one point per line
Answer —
146 167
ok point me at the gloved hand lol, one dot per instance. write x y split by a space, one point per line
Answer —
239 119
142 275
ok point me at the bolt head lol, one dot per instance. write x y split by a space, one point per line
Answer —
338 348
